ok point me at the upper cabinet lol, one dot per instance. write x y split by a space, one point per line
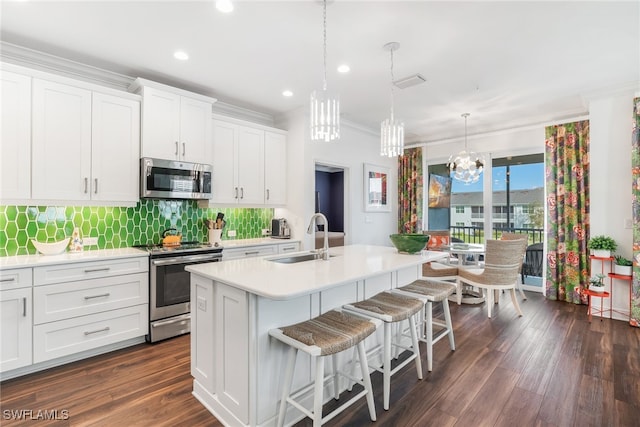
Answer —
15 139
176 124
249 164
65 140
85 144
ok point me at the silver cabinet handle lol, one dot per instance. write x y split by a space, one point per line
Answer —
93 270
288 249
267 194
252 253
10 279
181 320
236 192
24 306
86 184
176 148
184 149
242 192
95 190
97 296
97 331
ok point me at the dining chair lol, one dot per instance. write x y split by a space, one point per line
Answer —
516 236
503 260
442 270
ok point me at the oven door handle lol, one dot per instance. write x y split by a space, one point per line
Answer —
185 259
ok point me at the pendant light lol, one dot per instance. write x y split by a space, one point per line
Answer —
324 112
391 130
466 166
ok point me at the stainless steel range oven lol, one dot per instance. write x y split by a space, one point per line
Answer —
170 288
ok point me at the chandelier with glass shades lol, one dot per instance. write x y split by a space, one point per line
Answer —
466 166
391 129
324 109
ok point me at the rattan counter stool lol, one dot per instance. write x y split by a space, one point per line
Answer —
327 334
392 308
432 291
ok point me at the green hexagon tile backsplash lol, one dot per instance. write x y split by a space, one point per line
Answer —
119 227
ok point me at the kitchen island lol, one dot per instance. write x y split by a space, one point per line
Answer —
236 367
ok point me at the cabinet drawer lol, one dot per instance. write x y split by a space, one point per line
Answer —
249 252
65 337
60 273
15 278
66 300
287 248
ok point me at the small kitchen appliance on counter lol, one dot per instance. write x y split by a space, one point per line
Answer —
280 229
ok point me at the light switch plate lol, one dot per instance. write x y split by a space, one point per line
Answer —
231 233
202 304
628 223
265 231
90 241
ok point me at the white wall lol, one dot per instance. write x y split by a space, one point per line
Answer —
610 170
355 147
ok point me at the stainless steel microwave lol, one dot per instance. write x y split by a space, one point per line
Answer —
173 179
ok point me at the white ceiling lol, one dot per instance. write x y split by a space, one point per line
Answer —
507 63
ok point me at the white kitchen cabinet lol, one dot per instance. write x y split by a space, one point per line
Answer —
16 313
115 148
85 144
85 305
249 164
176 124
15 137
275 168
249 251
61 160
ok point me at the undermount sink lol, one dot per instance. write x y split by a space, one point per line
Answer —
292 259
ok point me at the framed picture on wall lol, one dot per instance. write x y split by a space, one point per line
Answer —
376 182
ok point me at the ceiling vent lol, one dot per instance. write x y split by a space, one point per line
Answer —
406 82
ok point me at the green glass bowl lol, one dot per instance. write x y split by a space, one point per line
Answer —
411 243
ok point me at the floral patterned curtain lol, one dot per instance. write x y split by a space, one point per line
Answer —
410 191
635 188
567 164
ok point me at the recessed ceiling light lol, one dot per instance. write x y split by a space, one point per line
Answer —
344 68
287 93
182 56
224 6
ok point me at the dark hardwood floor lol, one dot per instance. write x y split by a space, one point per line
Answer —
548 368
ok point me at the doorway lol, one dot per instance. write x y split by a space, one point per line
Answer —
330 181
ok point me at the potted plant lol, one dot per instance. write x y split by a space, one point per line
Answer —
596 284
622 266
602 246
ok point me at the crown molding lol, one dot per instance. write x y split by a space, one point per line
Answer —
30 58
242 113
34 59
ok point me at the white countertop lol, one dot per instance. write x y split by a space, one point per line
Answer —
232 243
19 261
286 281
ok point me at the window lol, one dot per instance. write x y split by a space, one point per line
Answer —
459 209
459 224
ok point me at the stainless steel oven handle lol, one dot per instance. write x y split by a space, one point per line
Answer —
184 259
182 318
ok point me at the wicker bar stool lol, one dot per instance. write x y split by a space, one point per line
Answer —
392 308
327 334
430 291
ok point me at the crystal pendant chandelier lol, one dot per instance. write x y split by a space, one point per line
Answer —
466 166
391 129
324 112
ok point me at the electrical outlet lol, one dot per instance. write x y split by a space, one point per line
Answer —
90 241
231 233
202 304
265 232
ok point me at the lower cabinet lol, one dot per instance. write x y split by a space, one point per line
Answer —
15 329
260 250
65 337
58 310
